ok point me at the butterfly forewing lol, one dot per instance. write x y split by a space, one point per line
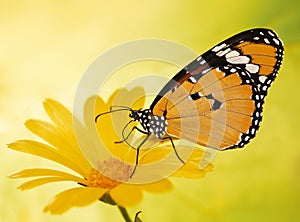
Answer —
217 99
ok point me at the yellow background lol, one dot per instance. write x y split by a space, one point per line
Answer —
45 47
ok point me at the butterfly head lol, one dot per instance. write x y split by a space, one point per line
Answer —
135 114
141 116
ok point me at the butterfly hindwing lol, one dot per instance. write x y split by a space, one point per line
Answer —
217 99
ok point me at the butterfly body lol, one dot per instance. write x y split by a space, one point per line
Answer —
150 123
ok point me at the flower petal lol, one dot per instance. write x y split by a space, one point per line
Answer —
155 154
49 133
74 197
63 118
106 130
158 187
59 115
139 95
41 181
134 97
110 127
126 195
191 168
45 151
129 99
41 172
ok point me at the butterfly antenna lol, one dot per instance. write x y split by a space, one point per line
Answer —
121 108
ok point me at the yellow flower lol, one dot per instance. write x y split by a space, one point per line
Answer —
93 179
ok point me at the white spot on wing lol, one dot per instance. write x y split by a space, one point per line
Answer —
205 71
276 41
200 94
266 40
202 62
262 79
269 81
264 88
247 138
232 70
221 53
252 68
218 47
232 54
238 60
271 33
258 105
257 114
193 80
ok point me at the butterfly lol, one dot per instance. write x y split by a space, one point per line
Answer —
216 100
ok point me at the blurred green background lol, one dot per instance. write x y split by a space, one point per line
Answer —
45 46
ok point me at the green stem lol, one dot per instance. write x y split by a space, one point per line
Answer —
124 214
106 198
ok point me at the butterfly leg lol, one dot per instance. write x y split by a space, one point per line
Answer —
174 148
137 154
128 135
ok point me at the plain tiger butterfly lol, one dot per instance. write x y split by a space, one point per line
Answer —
230 80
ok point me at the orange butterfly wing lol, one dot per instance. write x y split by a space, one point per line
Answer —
216 100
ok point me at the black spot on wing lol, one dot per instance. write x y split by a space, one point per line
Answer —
216 104
195 96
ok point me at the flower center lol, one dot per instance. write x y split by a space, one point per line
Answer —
109 174
115 169
96 179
